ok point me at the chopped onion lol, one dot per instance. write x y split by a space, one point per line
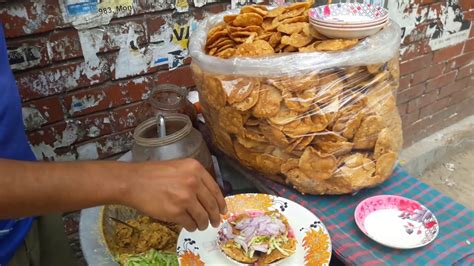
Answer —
260 226
243 223
239 240
227 231
249 233
262 248
254 227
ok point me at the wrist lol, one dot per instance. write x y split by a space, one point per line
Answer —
122 182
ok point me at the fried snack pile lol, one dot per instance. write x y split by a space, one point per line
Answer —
257 31
323 128
334 131
151 235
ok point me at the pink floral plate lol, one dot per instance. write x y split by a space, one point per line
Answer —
348 13
396 222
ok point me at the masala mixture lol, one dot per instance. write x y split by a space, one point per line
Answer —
143 234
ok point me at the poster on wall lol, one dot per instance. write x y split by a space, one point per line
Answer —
181 6
199 3
84 7
241 3
451 29
172 48
24 57
80 7
85 14
446 23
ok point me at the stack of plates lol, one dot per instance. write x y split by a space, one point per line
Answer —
348 20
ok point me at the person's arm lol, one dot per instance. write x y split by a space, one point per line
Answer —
175 191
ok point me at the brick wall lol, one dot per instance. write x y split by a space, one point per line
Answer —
79 90
80 97
436 87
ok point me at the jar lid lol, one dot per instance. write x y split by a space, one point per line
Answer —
167 97
177 127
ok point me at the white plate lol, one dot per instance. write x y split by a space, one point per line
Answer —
314 243
396 222
347 26
348 13
349 33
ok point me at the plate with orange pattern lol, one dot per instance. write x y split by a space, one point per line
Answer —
313 240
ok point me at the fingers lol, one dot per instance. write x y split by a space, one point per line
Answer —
199 215
210 205
214 190
216 193
187 222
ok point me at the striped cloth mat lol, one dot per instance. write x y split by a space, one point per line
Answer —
453 246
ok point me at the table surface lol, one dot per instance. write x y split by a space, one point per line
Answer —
453 246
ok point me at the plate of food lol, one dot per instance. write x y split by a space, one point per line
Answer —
259 229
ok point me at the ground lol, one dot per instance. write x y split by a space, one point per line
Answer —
445 161
453 175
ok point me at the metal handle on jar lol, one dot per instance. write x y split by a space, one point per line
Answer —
162 125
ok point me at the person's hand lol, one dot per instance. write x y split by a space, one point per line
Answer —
180 191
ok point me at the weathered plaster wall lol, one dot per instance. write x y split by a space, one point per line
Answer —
82 70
